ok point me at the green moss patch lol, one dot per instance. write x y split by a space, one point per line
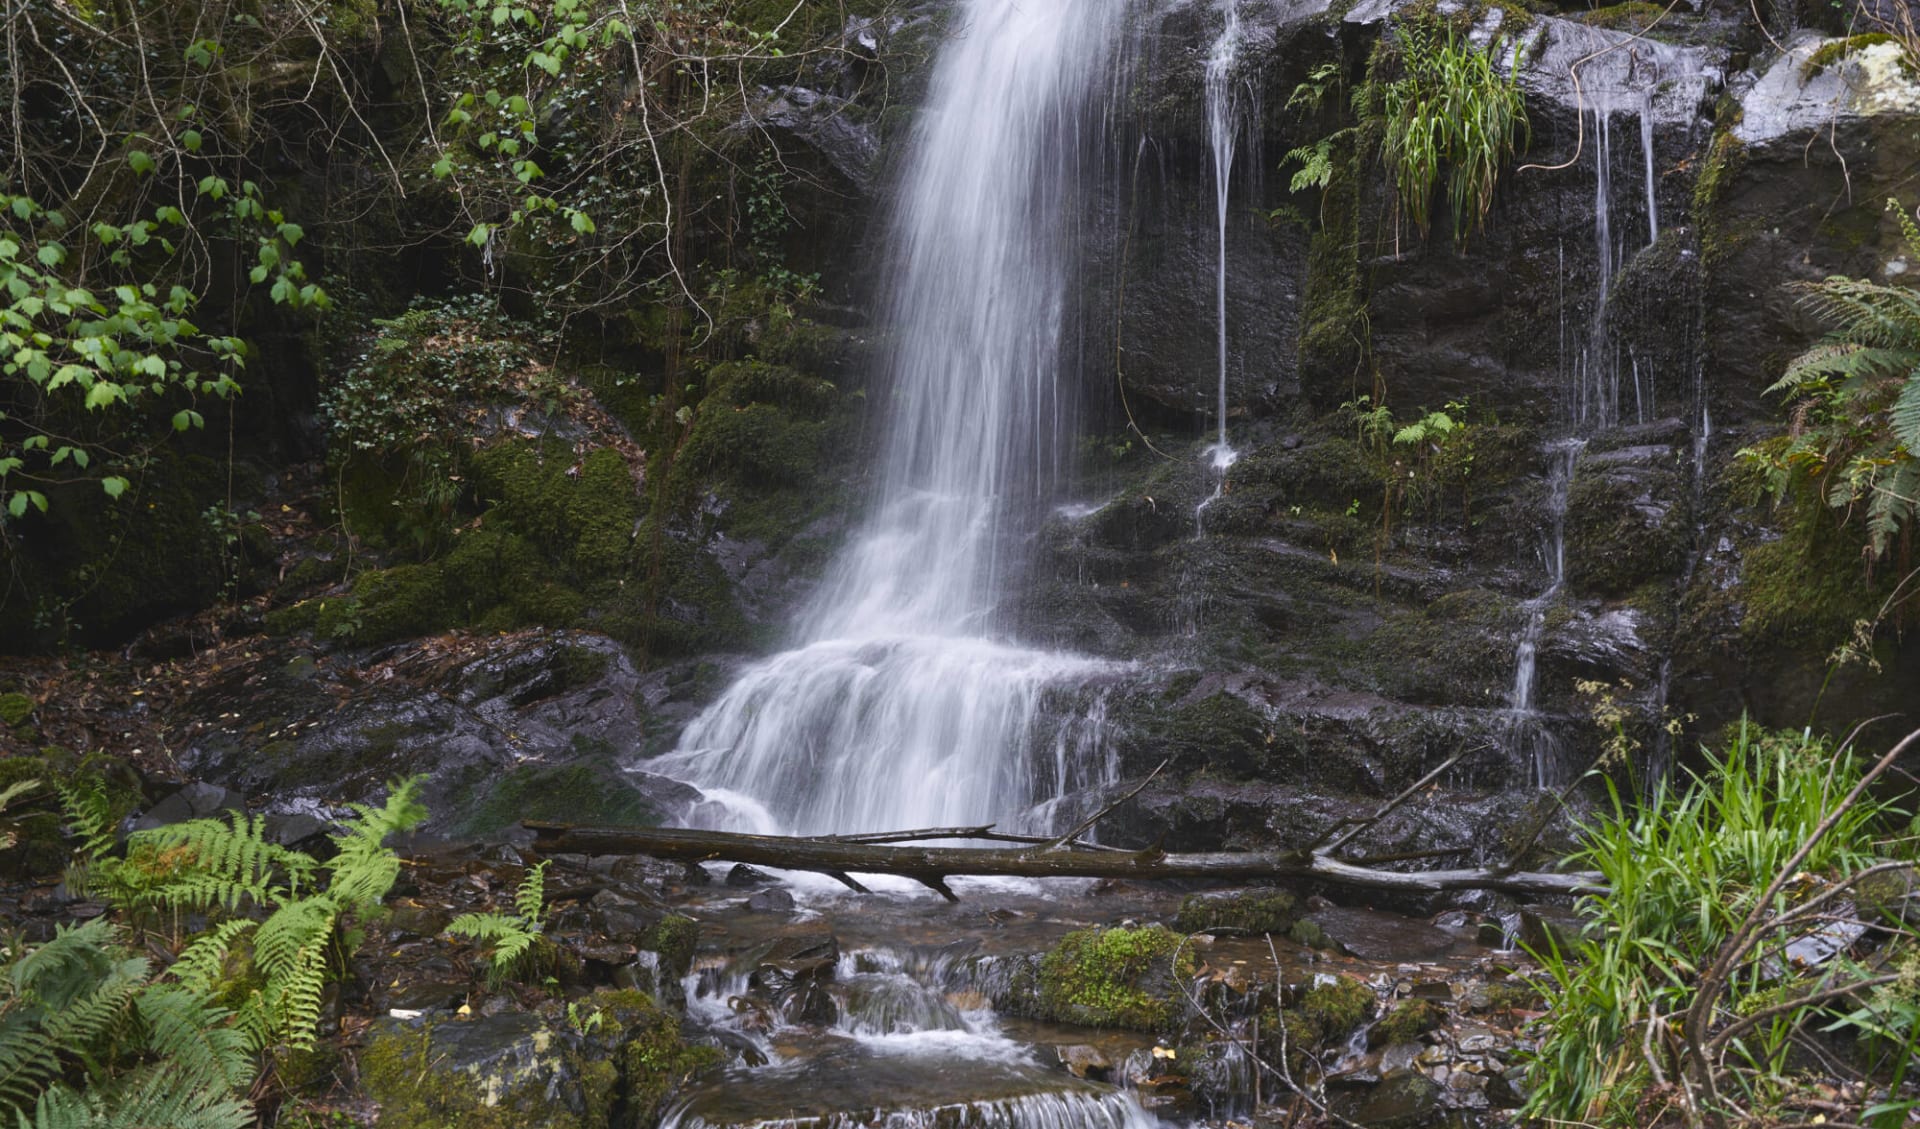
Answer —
1117 978
1248 911
1408 1020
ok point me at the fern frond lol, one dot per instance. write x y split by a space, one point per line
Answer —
507 938
530 899
1842 360
1866 313
203 962
68 965
147 1099
294 927
292 1000
364 870
16 790
194 1036
204 863
28 1061
1905 418
90 814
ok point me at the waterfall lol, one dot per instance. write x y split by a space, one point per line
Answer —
1528 736
908 706
1222 126
1646 151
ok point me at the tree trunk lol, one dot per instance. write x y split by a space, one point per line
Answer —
932 866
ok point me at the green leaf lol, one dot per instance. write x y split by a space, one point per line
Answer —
191 139
480 234
140 161
293 233
186 418
582 223
442 168
17 504
51 254
38 499
103 393
114 485
81 458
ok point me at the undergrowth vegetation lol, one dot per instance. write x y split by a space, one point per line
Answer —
1450 116
1717 981
220 955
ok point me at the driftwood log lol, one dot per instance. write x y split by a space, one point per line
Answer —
1032 857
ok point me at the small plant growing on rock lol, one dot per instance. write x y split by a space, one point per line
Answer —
513 938
1450 109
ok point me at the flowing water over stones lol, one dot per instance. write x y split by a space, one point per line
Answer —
906 706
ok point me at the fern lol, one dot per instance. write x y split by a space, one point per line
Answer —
84 1008
1856 407
509 938
204 864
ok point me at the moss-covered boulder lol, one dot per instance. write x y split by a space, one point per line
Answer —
1246 911
566 1068
509 1071
1408 1020
1334 1006
1130 978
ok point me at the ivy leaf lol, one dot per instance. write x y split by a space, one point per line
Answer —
114 485
480 234
442 169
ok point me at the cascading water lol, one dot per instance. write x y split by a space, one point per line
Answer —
1222 131
1223 125
1529 737
1594 404
907 707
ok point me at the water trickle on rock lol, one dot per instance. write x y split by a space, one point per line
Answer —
1223 127
908 705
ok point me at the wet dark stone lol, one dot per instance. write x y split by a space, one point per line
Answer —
770 901
198 800
743 875
1382 936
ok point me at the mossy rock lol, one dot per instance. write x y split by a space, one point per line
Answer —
1408 1020
651 1057
15 708
675 938
509 1071
1248 911
569 793
1128 978
1333 1007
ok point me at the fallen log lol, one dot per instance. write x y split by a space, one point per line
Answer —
931 866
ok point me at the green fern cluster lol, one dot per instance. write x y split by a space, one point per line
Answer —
91 1036
510 938
289 911
1856 405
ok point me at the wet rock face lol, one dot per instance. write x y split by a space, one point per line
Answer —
530 726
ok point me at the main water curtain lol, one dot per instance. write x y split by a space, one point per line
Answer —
907 706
